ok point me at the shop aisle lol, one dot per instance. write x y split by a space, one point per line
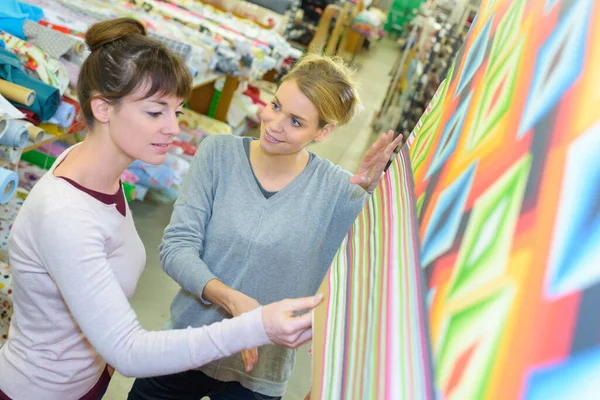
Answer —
344 147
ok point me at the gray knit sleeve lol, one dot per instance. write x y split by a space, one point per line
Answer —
183 240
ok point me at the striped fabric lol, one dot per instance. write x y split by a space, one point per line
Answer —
372 325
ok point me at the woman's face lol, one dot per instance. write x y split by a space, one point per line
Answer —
144 128
290 122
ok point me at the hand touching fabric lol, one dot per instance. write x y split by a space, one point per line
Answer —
374 161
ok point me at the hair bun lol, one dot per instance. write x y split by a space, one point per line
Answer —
105 32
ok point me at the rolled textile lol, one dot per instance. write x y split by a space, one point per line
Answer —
78 123
3 126
13 15
182 49
36 134
16 134
9 181
49 70
47 97
30 116
73 71
64 115
8 111
17 93
63 29
55 44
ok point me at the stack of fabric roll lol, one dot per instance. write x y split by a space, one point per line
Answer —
37 72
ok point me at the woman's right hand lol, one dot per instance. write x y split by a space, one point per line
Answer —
283 328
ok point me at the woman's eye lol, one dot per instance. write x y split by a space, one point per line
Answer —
179 113
154 114
295 123
275 106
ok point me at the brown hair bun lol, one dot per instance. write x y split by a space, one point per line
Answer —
105 32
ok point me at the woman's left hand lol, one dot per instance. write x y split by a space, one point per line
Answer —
374 161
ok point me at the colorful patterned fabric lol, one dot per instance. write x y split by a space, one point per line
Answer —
507 182
49 70
370 333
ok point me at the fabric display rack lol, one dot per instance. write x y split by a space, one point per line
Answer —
225 45
428 47
343 27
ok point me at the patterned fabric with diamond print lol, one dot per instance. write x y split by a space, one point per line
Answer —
507 181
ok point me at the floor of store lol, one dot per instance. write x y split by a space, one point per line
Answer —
344 147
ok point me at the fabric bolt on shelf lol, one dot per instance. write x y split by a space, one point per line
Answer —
63 29
182 49
78 124
16 134
9 111
64 116
29 115
54 43
48 69
47 97
13 15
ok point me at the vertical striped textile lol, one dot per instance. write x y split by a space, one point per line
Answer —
372 324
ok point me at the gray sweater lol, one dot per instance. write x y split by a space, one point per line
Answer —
223 227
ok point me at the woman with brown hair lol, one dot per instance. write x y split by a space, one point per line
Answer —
75 252
260 220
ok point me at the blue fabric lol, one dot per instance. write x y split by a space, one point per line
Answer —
13 15
47 97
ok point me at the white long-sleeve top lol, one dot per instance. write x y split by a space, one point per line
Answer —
75 262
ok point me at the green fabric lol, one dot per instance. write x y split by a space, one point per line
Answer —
47 97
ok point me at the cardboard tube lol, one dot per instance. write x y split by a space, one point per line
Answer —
16 93
36 134
79 48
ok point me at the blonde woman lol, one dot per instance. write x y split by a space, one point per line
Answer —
260 220
76 255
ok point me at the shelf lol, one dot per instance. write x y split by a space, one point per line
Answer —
205 80
48 138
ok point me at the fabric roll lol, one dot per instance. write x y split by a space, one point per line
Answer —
47 97
13 15
63 29
16 93
49 70
73 70
78 123
54 43
182 49
8 111
30 116
65 113
16 134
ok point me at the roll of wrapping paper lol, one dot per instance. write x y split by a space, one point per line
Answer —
9 181
11 154
3 126
64 116
16 134
16 93
36 134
